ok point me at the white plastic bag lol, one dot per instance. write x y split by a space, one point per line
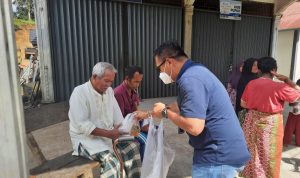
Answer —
158 156
130 125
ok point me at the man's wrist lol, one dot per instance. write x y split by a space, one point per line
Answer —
109 134
149 115
164 112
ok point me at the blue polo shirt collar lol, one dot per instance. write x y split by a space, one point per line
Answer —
189 63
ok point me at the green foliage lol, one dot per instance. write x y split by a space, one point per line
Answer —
21 22
25 9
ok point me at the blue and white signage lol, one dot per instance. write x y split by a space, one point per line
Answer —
230 9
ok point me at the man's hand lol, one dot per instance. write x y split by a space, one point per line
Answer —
140 115
156 112
157 109
115 133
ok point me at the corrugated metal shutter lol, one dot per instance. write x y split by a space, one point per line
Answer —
148 27
83 32
252 37
219 43
211 43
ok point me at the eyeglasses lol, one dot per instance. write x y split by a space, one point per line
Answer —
158 67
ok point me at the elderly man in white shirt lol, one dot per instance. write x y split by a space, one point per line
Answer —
95 117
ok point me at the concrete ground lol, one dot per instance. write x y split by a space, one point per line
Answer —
182 164
48 125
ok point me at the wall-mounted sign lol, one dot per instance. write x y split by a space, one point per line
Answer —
134 1
230 9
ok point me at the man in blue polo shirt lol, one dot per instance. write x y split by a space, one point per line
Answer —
205 113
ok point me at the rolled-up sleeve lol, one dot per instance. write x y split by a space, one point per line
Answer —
79 115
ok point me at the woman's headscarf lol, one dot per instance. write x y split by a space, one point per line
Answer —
235 75
246 77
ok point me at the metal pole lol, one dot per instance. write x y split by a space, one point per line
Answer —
12 132
119 157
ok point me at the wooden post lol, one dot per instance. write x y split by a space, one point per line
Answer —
44 49
12 132
275 36
188 26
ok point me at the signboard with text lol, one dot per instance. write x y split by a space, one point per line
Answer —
230 9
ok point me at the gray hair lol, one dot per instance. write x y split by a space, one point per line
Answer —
100 67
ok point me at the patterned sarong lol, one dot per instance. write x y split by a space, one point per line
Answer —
263 133
109 164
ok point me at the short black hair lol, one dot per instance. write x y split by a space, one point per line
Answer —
130 70
267 64
298 82
169 49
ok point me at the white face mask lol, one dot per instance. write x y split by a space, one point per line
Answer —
165 77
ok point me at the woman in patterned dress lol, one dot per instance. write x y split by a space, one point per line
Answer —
263 125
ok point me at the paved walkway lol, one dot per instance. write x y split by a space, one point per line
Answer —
48 125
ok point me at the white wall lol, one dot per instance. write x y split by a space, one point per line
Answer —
284 51
297 61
